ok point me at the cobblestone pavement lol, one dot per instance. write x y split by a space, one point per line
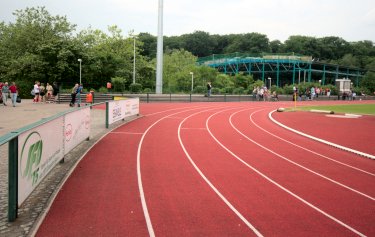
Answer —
12 118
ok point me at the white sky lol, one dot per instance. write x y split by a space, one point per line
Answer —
353 20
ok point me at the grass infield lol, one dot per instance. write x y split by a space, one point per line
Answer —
368 109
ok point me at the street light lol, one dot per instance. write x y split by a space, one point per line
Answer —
269 78
80 70
134 62
192 81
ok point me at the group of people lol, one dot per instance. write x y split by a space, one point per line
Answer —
263 94
8 91
44 94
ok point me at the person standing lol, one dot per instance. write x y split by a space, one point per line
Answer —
42 92
49 89
73 95
5 93
56 91
209 87
36 92
13 93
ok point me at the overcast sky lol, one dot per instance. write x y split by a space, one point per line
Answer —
353 20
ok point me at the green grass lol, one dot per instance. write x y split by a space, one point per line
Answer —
351 109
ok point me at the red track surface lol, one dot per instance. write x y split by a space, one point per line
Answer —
218 169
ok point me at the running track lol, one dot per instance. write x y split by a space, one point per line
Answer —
217 169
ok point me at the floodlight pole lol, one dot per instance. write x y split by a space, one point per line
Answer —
159 57
192 81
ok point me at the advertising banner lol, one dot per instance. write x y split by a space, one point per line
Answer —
77 128
116 111
131 107
39 150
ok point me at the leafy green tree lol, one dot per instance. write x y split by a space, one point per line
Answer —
37 47
199 43
176 70
368 82
252 42
149 45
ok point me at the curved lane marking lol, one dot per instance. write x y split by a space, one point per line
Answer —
209 182
320 140
295 163
280 186
139 175
304 148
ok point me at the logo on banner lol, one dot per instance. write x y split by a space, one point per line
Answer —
68 132
31 156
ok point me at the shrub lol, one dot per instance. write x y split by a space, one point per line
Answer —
103 90
238 90
200 89
135 88
228 90
215 91
147 90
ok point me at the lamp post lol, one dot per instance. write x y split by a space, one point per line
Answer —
192 81
269 78
134 62
80 70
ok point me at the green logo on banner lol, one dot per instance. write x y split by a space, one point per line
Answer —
32 149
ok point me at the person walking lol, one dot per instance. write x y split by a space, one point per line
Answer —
73 95
5 93
78 94
209 87
13 93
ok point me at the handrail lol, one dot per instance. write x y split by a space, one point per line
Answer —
13 134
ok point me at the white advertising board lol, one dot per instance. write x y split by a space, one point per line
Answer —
77 128
120 109
116 111
39 150
131 107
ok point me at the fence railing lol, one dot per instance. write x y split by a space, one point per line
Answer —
34 150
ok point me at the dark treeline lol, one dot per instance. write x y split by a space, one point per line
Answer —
41 47
330 49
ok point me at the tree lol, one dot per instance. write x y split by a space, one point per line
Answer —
36 47
252 43
176 70
149 45
199 43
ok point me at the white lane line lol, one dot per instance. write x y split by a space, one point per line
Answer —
296 164
193 128
139 175
279 185
321 140
168 110
313 152
210 184
129 133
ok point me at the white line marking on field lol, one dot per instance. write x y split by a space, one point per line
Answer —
279 185
321 140
313 152
128 133
193 128
211 185
296 164
139 175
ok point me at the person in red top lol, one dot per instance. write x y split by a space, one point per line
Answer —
13 93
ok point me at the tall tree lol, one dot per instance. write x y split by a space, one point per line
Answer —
37 46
